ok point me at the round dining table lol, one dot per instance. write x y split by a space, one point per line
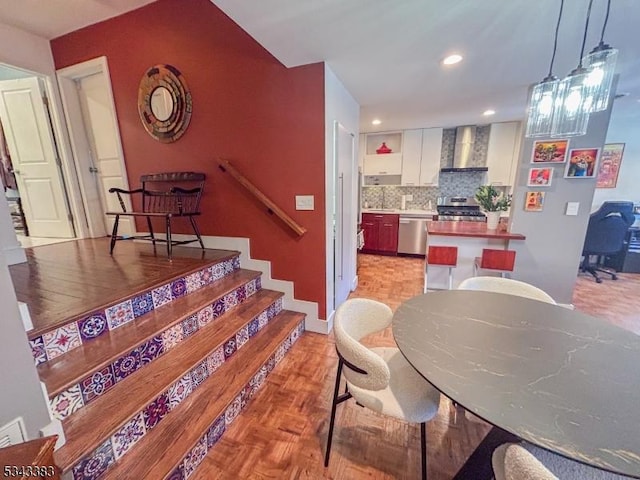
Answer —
554 377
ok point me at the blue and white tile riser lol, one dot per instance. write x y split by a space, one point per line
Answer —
70 336
102 458
98 383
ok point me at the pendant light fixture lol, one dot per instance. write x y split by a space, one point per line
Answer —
601 63
542 104
571 115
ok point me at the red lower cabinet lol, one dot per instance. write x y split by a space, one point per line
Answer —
380 232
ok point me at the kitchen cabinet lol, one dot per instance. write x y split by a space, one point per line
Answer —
383 163
421 157
503 153
431 153
380 232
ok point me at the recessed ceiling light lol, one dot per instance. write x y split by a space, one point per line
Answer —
486 113
376 121
452 59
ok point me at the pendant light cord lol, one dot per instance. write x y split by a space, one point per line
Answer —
606 19
555 40
584 37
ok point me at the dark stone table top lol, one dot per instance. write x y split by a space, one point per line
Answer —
557 378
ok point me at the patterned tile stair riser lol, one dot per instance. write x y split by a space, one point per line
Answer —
64 339
97 383
95 465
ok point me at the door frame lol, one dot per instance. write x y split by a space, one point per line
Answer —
68 172
67 81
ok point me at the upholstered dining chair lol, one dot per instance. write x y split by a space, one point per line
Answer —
378 378
507 286
513 461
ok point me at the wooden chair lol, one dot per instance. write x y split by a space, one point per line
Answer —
501 261
441 256
380 378
163 195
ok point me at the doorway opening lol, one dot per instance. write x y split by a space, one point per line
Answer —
30 165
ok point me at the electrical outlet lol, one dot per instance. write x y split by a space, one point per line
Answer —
572 208
305 202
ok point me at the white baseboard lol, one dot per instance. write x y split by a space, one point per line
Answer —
354 283
25 316
570 306
14 255
312 322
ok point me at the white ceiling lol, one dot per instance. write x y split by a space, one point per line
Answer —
387 53
52 18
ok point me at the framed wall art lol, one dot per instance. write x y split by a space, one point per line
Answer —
534 201
610 161
582 163
550 151
540 177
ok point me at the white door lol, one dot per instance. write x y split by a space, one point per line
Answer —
35 160
344 151
106 162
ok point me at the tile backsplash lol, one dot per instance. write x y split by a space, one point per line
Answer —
450 184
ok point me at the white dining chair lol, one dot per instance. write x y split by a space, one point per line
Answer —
507 286
378 378
513 461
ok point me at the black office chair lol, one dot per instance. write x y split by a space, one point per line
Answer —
605 235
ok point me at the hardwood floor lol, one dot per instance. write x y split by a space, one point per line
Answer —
65 280
283 433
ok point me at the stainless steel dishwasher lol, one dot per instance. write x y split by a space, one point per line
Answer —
412 235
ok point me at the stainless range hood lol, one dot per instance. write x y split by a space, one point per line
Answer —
463 151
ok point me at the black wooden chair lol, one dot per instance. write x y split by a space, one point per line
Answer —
164 195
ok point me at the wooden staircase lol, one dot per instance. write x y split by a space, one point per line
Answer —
149 398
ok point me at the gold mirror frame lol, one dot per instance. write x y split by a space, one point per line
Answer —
169 77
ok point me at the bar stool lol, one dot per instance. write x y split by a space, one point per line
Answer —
443 257
497 260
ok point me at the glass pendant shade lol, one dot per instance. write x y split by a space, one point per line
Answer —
574 105
542 107
601 64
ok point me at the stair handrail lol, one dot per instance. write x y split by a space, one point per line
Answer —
272 208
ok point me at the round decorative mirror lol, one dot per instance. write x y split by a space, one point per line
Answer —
164 103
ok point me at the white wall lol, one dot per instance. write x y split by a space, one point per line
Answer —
21 394
340 106
623 128
33 53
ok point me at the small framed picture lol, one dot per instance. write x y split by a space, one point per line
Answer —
610 161
582 163
534 201
550 151
540 177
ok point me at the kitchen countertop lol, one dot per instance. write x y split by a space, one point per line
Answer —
470 229
408 212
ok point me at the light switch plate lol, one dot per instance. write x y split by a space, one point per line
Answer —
572 208
305 202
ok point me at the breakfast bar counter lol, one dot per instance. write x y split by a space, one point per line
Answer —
470 229
470 238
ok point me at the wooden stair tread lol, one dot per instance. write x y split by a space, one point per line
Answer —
91 425
153 456
63 372
209 257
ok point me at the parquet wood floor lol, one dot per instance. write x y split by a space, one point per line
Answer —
283 433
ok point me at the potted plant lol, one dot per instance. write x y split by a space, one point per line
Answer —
492 202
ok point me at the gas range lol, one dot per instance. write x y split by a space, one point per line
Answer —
459 209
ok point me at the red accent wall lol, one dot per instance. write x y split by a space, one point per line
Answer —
248 108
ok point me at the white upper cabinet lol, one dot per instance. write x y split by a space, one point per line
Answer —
411 158
421 157
502 153
431 153
383 163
